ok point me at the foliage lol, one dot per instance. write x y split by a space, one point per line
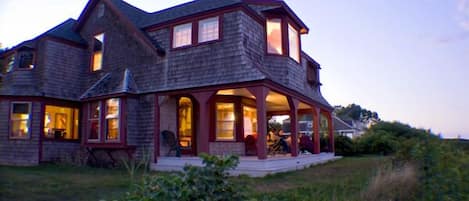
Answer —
195 183
357 113
344 146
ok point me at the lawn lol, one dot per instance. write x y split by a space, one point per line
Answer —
340 180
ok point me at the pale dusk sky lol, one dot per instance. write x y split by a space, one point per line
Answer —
406 60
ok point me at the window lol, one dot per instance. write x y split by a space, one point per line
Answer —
20 120
98 49
112 119
311 73
61 123
10 63
294 44
225 121
250 121
185 122
94 121
274 36
182 35
26 60
208 29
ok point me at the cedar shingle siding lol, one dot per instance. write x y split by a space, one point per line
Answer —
131 66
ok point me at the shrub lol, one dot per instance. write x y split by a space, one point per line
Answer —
344 146
209 183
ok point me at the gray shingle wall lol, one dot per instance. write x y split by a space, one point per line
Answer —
63 70
19 151
144 127
59 151
168 120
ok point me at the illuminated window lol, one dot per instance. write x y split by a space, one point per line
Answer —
10 63
208 29
112 119
185 122
94 114
98 50
26 60
61 123
274 36
225 121
182 35
20 117
294 44
250 121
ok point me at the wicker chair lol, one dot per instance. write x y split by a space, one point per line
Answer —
171 140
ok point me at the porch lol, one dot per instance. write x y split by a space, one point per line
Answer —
251 165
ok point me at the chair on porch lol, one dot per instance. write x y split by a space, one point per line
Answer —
306 144
172 142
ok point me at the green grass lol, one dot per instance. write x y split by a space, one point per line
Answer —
340 180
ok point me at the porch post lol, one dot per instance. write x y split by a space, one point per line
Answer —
203 129
156 137
316 138
330 124
294 125
260 92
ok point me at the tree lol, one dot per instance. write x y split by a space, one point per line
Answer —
357 113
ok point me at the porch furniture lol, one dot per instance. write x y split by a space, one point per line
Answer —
172 142
306 144
92 151
251 145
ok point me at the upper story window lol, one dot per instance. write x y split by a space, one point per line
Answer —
20 120
182 35
10 63
294 43
98 49
274 36
26 60
312 73
208 29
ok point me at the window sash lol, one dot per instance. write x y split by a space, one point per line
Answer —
274 36
61 120
94 122
182 35
98 49
208 29
225 122
20 119
112 119
294 44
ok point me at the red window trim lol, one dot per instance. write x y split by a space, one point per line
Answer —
29 136
56 104
194 115
285 21
102 142
195 31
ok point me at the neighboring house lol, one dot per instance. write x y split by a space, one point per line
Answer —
210 71
346 128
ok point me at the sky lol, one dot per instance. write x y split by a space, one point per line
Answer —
406 60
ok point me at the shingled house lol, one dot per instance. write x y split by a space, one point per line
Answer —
210 71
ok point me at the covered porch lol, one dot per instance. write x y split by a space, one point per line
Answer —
234 120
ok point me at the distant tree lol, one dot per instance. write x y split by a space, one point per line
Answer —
357 113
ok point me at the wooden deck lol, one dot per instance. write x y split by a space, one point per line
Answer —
250 165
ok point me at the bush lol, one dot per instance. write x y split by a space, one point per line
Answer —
209 183
344 146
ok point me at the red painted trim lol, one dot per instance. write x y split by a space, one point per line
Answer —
294 103
316 128
156 134
123 120
203 100
31 111
195 31
260 93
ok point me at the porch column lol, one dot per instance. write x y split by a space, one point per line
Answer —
156 137
260 92
203 129
316 138
293 103
330 127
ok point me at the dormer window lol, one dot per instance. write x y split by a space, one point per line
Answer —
274 36
10 63
294 43
208 29
283 38
312 73
182 35
26 60
98 49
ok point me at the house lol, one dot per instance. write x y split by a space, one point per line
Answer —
346 128
210 71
